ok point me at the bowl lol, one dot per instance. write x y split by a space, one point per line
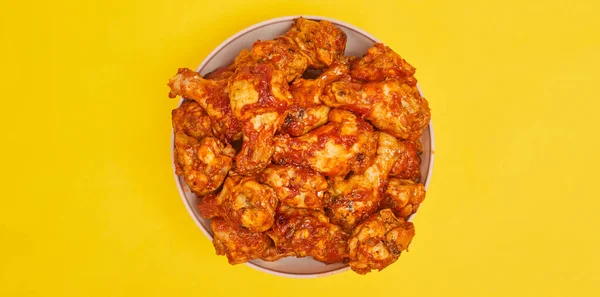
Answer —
358 43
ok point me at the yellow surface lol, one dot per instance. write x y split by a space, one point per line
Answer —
89 206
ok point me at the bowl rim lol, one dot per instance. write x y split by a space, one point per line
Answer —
208 58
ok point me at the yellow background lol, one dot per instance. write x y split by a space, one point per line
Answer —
89 205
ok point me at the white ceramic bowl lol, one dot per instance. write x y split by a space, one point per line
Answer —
358 43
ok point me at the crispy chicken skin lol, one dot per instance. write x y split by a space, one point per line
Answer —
346 143
378 241
192 120
391 106
248 203
212 96
381 63
296 186
203 163
322 42
306 232
352 199
403 197
308 112
259 98
237 243
408 166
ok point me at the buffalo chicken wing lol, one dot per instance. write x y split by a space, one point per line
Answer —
212 96
296 186
346 143
352 199
391 106
407 166
322 42
259 98
192 120
308 112
403 197
237 243
248 203
203 163
378 241
306 232
381 63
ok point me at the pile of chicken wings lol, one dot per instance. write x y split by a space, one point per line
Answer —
285 163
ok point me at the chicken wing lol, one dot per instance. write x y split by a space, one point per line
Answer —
301 120
352 199
403 197
346 143
378 241
392 105
259 209
308 112
246 202
259 98
211 205
283 53
296 186
408 166
307 92
192 120
322 42
212 97
203 163
305 232
238 244
381 63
